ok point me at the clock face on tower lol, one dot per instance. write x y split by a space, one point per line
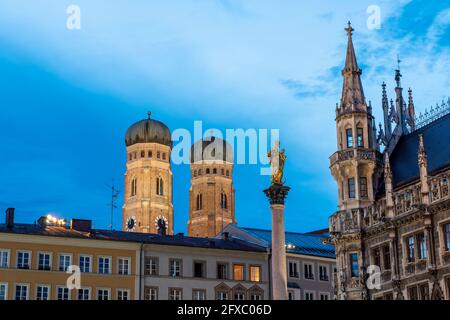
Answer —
131 223
161 225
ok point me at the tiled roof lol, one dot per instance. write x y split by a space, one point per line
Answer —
97 234
404 161
303 243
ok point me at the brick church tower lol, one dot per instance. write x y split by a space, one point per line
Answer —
212 192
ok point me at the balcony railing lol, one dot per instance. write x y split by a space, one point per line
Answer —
355 154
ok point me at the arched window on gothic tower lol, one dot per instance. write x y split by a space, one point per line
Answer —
133 186
223 200
159 186
199 201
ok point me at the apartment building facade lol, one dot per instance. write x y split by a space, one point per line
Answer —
37 260
310 260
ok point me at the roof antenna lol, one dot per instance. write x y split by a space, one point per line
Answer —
114 195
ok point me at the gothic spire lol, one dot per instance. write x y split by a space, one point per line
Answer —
423 170
388 186
352 90
411 111
400 102
387 120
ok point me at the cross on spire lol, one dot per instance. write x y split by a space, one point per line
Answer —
398 62
349 29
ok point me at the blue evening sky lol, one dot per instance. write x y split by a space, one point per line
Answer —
68 96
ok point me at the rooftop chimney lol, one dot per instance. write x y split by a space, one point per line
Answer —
9 218
81 224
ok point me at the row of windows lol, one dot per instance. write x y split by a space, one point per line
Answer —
308 271
42 292
415 292
159 186
308 295
148 154
199 270
363 193
223 201
223 172
359 137
415 249
85 262
152 293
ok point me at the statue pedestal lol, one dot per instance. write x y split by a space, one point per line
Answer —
277 194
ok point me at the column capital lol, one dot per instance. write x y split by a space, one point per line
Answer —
277 194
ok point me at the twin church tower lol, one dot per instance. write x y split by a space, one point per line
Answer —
148 204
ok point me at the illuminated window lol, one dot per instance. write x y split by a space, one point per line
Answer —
238 272
255 273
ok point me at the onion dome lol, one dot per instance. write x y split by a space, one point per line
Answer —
148 131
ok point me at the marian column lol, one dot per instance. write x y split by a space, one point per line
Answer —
277 193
